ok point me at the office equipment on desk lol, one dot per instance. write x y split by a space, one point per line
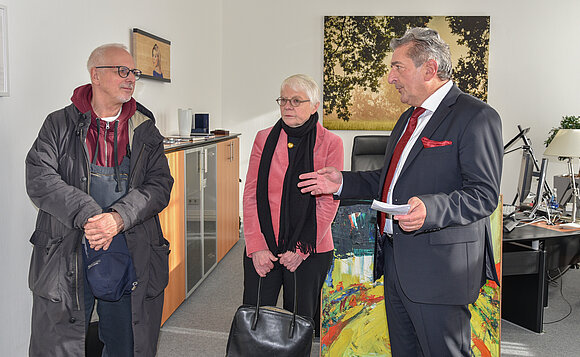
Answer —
520 135
220 132
529 204
563 187
184 117
201 124
508 210
509 224
527 174
530 169
565 145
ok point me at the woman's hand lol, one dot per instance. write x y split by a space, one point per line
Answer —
263 261
290 260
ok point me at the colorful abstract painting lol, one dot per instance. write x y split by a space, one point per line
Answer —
353 309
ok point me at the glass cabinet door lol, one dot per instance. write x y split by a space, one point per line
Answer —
193 222
201 214
210 209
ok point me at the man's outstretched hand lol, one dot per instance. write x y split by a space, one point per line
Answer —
324 181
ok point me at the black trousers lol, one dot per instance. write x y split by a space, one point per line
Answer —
310 276
415 329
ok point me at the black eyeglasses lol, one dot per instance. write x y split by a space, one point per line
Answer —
124 71
295 102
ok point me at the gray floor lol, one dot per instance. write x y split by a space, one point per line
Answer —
201 324
560 338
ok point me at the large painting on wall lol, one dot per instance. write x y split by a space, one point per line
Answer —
357 57
353 315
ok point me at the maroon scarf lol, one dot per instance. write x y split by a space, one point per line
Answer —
81 98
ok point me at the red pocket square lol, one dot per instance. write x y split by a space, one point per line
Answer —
428 143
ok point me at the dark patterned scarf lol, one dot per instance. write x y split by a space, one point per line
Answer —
297 210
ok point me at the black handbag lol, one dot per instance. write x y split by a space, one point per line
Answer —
269 331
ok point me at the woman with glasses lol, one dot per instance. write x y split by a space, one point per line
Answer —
287 231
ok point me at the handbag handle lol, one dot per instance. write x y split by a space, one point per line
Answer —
256 315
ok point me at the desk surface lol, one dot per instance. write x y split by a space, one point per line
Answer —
531 232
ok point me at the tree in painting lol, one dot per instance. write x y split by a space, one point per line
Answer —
470 73
355 48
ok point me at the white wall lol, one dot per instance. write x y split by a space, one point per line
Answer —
49 42
532 76
228 58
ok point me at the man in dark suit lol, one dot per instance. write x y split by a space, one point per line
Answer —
445 161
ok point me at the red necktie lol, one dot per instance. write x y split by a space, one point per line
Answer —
395 160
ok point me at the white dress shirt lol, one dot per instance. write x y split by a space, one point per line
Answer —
430 104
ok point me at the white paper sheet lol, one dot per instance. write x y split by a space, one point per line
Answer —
390 208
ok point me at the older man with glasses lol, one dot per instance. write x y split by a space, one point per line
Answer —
98 174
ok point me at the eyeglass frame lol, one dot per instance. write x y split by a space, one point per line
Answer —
136 72
291 101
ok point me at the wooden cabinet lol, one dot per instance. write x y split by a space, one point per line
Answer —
173 226
228 195
220 210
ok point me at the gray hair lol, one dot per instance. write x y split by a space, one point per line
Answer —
303 83
97 56
426 45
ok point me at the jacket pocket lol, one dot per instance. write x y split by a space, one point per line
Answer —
45 266
438 150
457 234
158 269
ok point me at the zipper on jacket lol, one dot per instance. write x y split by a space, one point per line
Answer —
105 142
83 144
78 306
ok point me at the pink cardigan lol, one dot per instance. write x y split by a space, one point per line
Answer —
328 151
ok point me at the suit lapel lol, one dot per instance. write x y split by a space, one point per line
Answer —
437 118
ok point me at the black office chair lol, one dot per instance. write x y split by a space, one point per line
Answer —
368 152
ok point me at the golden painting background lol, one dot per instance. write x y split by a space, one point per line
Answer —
360 101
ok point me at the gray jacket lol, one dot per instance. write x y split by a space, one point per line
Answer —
57 181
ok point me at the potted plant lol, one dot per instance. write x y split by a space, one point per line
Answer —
567 122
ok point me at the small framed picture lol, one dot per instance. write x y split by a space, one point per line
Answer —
4 90
152 55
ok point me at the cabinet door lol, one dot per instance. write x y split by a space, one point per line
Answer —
173 226
193 222
209 182
228 195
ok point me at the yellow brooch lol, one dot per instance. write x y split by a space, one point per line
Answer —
290 145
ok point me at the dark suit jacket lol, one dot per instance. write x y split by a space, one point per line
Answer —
448 259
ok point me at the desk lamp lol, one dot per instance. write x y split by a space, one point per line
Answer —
566 144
